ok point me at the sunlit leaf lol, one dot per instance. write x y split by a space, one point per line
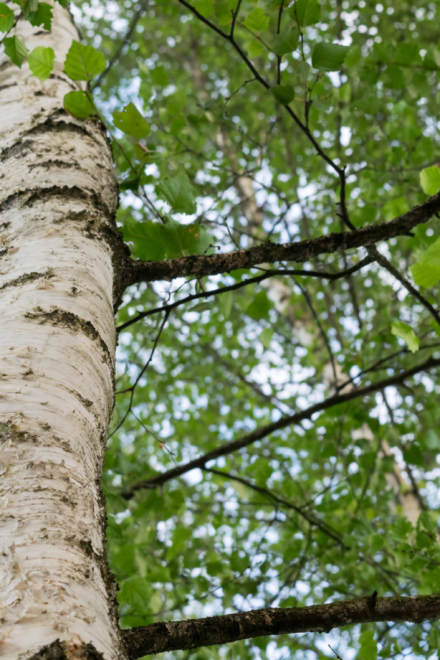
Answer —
426 272
83 62
405 332
15 49
7 17
41 61
430 180
130 121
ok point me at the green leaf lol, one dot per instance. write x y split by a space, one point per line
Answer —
83 62
159 76
407 54
432 441
302 69
257 21
147 238
182 240
15 49
43 16
241 490
368 649
255 49
259 307
28 6
223 11
131 122
63 3
41 61
401 528
7 18
427 521
204 7
286 42
329 57
266 337
154 241
284 94
430 180
179 194
426 272
353 56
78 105
413 455
306 12
136 592
405 332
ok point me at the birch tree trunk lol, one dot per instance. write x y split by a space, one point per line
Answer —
58 197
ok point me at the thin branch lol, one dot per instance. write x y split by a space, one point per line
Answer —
195 633
305 129
383 261
116 55
251 280
234 19
279 57
321 330
133 272
282 423
336 654
141 373
314 522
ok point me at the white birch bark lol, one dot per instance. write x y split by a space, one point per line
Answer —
58 197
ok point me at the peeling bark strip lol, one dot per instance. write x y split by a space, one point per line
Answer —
150 271
192 634
262 432
57 204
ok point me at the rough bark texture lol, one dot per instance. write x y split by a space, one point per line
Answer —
181 635
150 271
58 198
282 423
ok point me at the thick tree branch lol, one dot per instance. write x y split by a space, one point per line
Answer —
282 423
192 634
301 251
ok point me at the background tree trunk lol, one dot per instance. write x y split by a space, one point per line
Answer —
58 198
